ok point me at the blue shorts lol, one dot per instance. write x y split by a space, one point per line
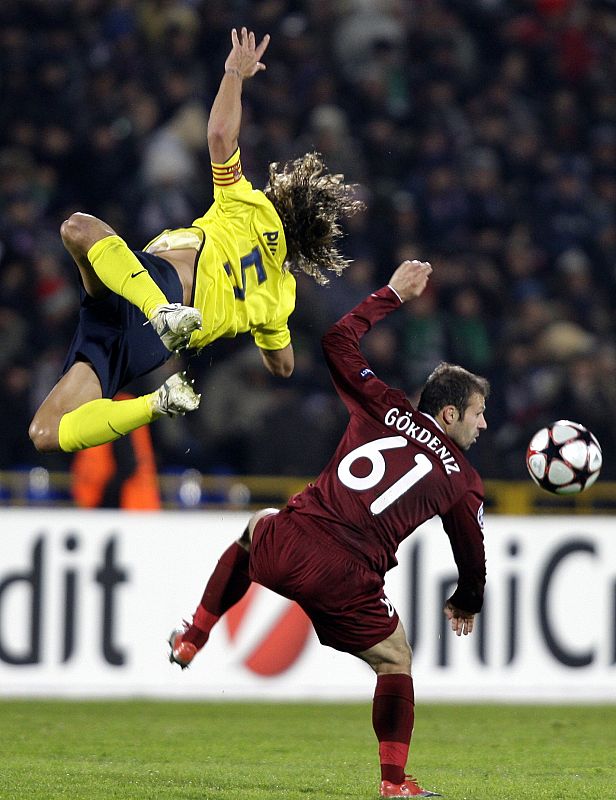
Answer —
343 597
111 334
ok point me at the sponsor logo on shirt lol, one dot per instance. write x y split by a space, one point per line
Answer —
403 422
271 241
366 373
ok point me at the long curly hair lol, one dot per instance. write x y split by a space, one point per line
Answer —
309 202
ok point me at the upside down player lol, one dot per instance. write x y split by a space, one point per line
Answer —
227 273
330 547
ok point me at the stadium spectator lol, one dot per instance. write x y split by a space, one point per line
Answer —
469 334
120 474
14 412
330 547
426 86
294 222
423 334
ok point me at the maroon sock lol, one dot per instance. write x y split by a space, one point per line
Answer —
393 715
227 584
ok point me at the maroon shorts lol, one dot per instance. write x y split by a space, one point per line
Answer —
343 597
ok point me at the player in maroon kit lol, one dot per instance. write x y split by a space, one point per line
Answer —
330 547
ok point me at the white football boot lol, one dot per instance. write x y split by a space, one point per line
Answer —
175 323
175 397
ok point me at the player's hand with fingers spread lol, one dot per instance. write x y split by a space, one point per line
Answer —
462 622
410 279
244 60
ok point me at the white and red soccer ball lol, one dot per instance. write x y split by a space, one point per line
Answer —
564 457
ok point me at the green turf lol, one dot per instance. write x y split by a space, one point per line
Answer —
164 751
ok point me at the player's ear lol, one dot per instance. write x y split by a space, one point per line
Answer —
450 414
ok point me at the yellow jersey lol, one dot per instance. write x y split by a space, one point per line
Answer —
240 284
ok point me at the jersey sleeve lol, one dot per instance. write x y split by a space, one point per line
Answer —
356 384
233 194
276 335
463 524
230 185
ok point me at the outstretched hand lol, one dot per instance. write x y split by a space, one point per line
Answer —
461 621
244 60
410 279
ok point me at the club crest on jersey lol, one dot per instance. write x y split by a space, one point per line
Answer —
366 373
480 516
403 422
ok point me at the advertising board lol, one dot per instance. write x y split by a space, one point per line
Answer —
88 598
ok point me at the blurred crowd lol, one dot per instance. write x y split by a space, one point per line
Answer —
482 137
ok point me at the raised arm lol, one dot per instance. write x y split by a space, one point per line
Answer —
354 380
243 62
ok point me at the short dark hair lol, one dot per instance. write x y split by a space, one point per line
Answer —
310 202
451 385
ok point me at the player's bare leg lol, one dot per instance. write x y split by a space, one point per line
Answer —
78 386
79 232
392 655
393 713
106 263
75 415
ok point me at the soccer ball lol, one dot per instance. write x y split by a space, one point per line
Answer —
564 457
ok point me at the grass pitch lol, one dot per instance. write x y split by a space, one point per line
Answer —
255 751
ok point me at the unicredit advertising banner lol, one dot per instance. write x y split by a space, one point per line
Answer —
87 600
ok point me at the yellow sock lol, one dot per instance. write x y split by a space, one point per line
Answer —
101 421
122 272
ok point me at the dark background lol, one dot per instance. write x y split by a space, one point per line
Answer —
482 136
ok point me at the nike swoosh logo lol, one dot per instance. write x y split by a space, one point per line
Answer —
134 274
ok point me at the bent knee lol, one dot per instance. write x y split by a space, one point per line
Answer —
392 655
43 437
73 229
80 231
402 663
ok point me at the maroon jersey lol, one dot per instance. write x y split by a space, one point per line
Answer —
393 469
